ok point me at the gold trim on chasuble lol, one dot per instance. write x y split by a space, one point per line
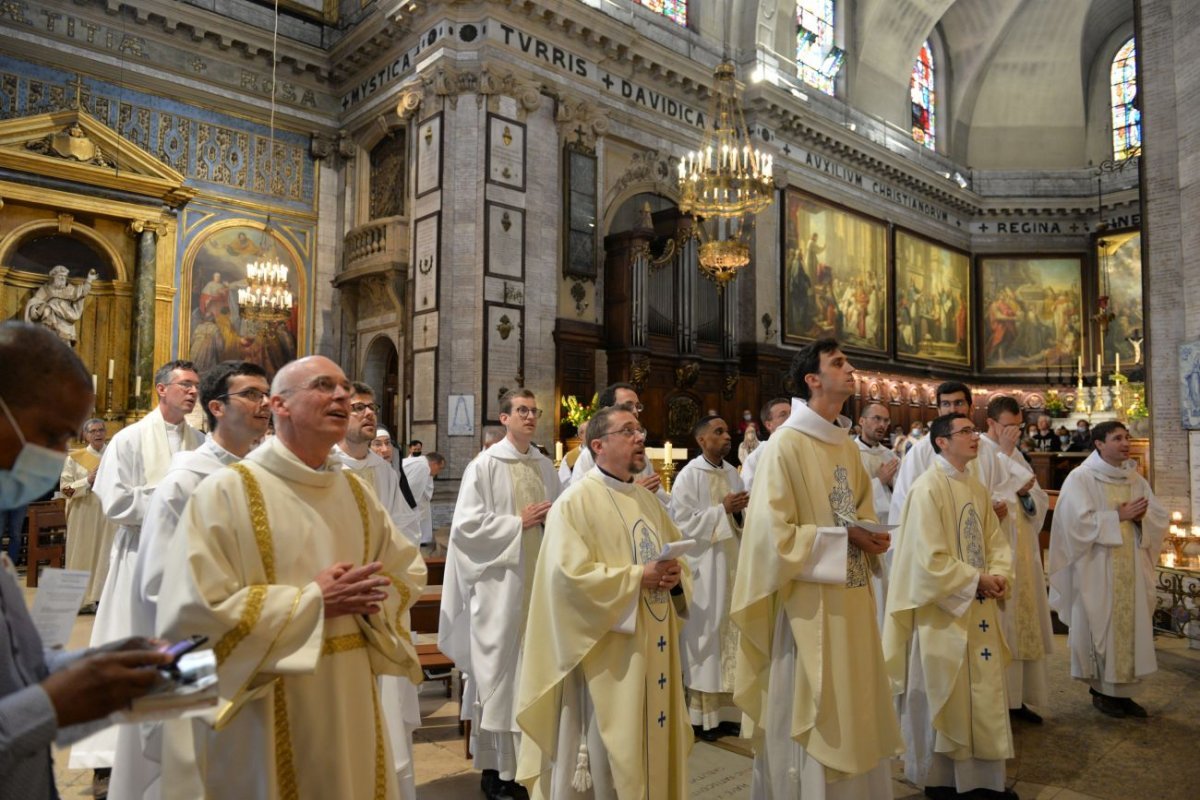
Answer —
285 765
356 640
845 512
401 589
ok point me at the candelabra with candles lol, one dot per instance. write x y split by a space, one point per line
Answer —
266 302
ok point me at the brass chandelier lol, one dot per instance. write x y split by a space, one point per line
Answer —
725 184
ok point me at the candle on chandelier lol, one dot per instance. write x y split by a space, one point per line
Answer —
1176 516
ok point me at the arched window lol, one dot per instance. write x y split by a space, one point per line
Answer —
817 58
924 99
674 10
1126 119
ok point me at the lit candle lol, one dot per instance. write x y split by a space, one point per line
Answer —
110 369
667 452
558 451
1176 516
137 387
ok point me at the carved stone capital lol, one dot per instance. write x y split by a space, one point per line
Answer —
449 84
580 121
135 227
320 146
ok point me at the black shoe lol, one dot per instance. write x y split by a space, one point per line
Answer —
706 734
489 781
1132 709
1110 706
511 790
730 729
992 794
941 792
1026 713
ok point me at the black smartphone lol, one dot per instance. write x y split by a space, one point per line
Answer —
178 649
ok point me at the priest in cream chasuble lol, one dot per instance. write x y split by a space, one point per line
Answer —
297 575
810 675
1107 535
601 701
945 652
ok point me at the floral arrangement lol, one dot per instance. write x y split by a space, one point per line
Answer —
1054 405
1137 406
578 413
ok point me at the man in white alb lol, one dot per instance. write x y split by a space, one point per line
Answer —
420 472
137 459
624 395
495 537
881 464
707 503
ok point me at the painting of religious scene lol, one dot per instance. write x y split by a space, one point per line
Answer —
933 301
218 329
1032 310
1119 272
834 275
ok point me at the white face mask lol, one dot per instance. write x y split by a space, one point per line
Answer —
34 473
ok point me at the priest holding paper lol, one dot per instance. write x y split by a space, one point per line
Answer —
1108 531
810 674
90 534
291 566
941 639
707 502
601 701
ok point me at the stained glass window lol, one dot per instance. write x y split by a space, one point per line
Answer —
924 99
817 58
674 10
1126 120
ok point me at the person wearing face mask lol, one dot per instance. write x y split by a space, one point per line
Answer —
45 394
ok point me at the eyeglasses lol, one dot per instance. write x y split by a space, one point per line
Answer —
362 408
323 384
187 386
628 433
636 408
972 432
253 395
526 413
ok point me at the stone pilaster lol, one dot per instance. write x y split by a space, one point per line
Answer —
141 338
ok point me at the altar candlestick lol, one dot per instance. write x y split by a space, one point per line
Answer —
558 452
110 369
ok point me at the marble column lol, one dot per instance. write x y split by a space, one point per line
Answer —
141 344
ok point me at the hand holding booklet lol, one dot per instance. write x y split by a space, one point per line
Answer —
675 549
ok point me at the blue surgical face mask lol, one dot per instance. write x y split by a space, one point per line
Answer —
34 473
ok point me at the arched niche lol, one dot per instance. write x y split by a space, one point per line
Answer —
381 371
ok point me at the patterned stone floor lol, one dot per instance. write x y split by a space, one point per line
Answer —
1077 754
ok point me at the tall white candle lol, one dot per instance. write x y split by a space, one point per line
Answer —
666 452
1118 367
558 451
110 369
93 383
137 387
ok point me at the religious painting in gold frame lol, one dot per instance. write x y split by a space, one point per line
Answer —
1119 275
1031 312
213 328
933 301
834 276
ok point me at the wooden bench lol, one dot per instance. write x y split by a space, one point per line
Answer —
47 540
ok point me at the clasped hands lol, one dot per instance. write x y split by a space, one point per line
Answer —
348 589
994 586
871 543
662 575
